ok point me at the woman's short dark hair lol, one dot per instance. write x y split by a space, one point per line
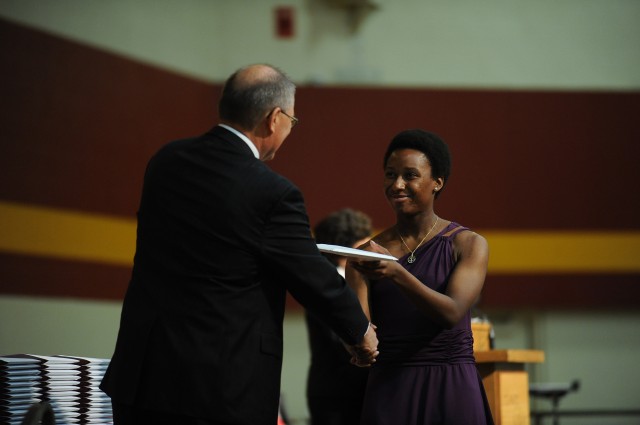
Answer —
431 145
246 104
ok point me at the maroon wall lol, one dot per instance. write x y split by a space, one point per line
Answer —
78 125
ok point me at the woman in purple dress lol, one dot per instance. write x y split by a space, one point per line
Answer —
425 373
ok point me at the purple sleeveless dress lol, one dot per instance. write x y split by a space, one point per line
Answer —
425 374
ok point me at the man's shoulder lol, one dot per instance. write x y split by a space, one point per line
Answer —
174 146
268 179
217 142
230 150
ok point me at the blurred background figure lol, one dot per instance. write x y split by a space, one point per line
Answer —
335 387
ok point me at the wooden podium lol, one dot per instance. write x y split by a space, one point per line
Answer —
506 383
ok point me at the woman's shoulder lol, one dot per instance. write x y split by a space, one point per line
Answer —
384 237
465 239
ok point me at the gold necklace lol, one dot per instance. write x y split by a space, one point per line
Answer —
412 257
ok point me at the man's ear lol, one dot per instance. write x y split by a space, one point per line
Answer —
267 125
272 119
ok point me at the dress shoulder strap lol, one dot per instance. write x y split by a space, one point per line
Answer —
457 229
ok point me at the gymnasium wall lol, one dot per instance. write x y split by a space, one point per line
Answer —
548 176
537 100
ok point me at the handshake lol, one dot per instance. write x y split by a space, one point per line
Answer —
364 354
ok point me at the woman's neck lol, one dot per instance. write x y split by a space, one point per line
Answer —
416 225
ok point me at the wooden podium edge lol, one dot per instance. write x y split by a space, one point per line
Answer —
509 356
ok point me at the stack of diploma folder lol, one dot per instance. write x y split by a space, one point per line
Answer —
69 384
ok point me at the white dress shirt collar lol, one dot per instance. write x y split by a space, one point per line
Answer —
244 139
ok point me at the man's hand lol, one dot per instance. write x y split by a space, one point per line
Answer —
365 353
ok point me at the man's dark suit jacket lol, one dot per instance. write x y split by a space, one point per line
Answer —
335 388
221 238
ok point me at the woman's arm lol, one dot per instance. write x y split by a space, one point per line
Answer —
463 290
358 283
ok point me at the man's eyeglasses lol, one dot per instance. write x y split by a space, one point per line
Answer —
294 120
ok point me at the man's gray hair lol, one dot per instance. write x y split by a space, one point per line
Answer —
246 101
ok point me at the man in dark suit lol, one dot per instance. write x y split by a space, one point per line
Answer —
221 238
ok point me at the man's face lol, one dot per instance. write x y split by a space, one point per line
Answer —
283 123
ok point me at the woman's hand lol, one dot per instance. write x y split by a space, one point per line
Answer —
376 269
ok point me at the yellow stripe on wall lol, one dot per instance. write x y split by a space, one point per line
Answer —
563 252
49 232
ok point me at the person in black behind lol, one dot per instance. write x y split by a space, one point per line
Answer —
220 239
335 388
